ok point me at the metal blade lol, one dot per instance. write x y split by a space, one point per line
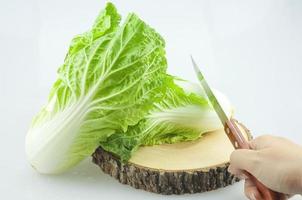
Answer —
217 107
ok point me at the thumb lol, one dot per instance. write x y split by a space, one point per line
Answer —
245 159
263 142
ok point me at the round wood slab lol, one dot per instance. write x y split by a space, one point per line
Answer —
187 167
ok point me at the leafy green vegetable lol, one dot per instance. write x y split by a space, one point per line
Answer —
110 79
183 114
113 91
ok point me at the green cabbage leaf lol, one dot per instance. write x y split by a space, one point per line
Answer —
183 114
111 76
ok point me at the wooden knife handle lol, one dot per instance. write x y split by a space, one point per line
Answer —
239 142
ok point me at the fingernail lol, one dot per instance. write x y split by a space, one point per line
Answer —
252 197
230 169
242 176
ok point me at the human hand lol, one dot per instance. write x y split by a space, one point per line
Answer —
274 161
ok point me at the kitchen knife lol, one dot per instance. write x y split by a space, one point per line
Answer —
234 134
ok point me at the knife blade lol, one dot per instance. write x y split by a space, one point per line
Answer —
212 99
232 131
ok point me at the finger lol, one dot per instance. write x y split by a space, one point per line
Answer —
288 196
246 160
237 172
251 191
261 142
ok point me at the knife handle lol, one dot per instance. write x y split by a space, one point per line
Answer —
239 142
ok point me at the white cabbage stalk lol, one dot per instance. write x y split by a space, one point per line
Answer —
210 119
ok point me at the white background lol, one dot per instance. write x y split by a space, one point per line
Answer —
250 50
